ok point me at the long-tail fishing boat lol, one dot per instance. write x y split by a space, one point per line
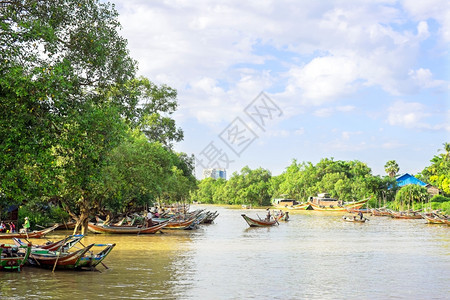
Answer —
89 262
57 259
381 212
406 215
62 245
354 219
259 223
323 202
33 234
436 218
284 203
210 217
100 228
61 258
13 257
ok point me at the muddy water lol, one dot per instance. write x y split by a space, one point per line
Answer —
313 256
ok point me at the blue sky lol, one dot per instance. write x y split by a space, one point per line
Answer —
366 80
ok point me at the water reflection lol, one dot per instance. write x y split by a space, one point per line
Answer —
314 256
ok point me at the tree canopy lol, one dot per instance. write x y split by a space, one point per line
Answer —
75 114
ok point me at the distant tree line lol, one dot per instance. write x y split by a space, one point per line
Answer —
345 180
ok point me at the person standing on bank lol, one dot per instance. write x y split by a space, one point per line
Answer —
26 225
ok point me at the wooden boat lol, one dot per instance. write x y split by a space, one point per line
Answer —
61 245
259 223
323 202
406 215
354 219
91 261
210 217
66 226
434 218
182 224
381 212
33 234
300 206
98 228
13 257
57 259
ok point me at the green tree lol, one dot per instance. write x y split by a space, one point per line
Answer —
410 194
391 168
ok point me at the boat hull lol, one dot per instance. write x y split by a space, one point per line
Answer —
125 229
342 208
258 223
13 257
26 235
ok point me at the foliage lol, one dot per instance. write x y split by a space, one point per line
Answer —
391 168
438 173
439 199
248 187
69 95
410 194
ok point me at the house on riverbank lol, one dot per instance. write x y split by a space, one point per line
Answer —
407 179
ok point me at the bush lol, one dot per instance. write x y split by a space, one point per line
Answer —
439 198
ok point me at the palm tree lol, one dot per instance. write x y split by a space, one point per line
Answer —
391 168
447 150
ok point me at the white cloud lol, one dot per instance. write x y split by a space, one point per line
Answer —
424 79
408 114
219 56
438 10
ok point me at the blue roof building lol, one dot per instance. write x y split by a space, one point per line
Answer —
406 179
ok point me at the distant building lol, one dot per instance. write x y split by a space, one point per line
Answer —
406 179
215 173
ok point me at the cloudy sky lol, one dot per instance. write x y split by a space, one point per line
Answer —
261 83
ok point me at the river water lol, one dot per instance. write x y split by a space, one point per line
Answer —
313 256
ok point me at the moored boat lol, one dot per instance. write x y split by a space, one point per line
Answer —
61 245
259 223
57 259
406 215
98 228
33 234
57 254
323 202
435 218
13 257
381 212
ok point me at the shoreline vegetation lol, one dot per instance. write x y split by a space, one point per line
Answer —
83 135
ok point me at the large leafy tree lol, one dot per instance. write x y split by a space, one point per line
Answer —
56 56
68 90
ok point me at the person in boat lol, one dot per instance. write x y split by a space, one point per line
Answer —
26 225
2 227
268 215
360 214
286 216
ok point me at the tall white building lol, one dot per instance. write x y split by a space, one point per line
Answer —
215 173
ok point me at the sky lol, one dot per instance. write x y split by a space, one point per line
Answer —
261 83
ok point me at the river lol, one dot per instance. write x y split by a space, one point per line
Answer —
313 256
